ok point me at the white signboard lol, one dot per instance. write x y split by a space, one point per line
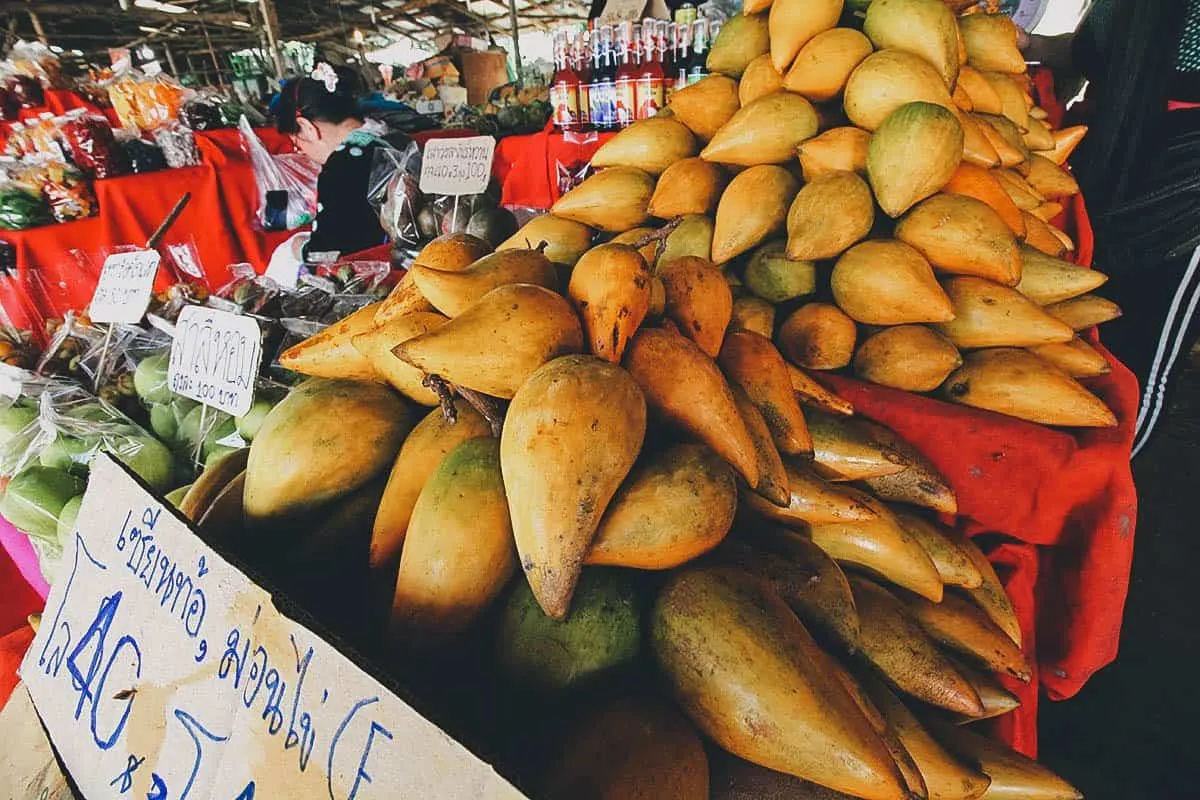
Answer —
215 357
163 672
457 166
123 291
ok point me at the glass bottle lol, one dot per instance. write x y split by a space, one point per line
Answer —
685 13
627 75
683 57
650 95
666 42
564 86
581 64
697 67
601 90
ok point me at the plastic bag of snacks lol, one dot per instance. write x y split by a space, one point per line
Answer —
246 291
68 193
141 156
178 145
394 190
89 141
287 184
38 62
144 103
21 208
203 113
42 137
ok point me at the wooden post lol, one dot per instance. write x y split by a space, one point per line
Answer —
36 21
516 35
271 23
213 53
170 59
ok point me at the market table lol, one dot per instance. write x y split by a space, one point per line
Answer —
58 263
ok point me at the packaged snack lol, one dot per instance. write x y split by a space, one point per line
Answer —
178 145
141 156
21 209
68 193
90 142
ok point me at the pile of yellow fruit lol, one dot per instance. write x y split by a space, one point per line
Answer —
595 409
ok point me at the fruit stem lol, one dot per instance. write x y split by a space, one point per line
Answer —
445 398
486 405
657 236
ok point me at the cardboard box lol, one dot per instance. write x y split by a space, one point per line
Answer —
482 72
163 670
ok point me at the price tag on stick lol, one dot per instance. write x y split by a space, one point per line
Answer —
123 291
215 358
457 166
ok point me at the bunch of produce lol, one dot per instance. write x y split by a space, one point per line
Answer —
48 437
882 200
607 458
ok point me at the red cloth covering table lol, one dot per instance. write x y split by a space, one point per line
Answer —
219 221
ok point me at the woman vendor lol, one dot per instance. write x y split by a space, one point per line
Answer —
322 115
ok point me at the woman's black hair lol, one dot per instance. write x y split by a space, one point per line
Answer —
310 98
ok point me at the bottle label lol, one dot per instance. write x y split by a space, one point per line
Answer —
626 101
585 108
601 102
649 97
564 98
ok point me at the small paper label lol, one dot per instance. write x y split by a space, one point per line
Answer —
123 291
457 166
215 358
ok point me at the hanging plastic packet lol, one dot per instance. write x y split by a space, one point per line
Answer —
287 184
393 189
246 291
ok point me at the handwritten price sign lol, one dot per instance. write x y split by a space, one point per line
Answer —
123 291
215 357
457 166
162 672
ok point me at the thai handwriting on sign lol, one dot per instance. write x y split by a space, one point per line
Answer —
123 290
215 358
138 610
457 166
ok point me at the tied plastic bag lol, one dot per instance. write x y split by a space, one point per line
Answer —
89 140
394 190
178 144
287 184
48 438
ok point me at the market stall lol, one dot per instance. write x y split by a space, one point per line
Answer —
771 462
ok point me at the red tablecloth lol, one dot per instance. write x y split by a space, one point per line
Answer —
219 222
531 168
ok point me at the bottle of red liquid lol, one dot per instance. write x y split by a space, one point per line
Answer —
580 63
666 42
678 75
650 91
564 86
627 74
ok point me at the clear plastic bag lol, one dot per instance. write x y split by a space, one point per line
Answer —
90 142
287 184
48 438
178 144
394 191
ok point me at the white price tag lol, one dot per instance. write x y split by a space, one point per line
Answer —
215 358
457 166
163 672
123 291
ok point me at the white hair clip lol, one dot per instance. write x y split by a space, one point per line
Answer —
326 75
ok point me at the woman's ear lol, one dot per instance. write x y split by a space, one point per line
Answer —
308 129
